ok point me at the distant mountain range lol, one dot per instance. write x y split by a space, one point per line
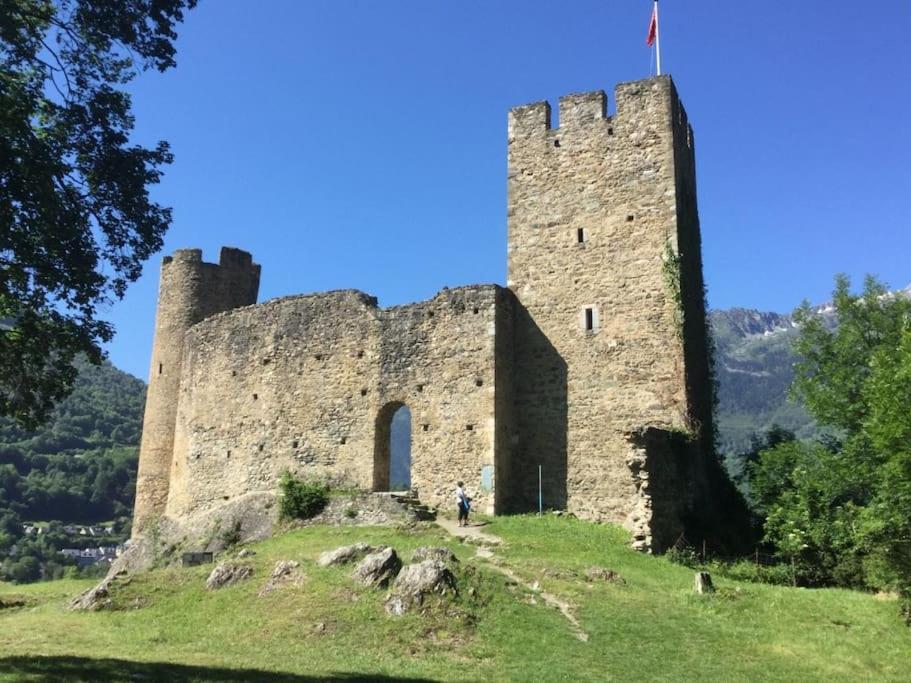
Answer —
754 366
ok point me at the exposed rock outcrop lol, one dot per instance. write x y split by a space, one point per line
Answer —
417 581
96 598
378 568
227 574
285 573
344 554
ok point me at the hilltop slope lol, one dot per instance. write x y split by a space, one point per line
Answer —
650 626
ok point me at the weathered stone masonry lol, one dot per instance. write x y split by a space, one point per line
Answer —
592 364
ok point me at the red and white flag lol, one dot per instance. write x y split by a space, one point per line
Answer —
652 27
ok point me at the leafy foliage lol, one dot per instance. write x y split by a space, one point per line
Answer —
78 222
840 511
301 499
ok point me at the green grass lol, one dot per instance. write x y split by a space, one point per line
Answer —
167 627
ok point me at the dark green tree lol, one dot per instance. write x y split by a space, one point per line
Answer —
840 511
76 219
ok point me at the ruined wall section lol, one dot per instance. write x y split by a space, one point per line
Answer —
190 290
592 212
305 384
439 358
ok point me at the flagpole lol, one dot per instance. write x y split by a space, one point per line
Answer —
657 39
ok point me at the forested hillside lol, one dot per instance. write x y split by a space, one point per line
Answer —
80 468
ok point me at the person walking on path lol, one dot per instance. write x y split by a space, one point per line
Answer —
463 502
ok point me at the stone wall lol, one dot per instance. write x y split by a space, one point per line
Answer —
310 384
595 226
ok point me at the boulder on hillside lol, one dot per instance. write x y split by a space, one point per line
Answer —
702 583
440 553
378 568
344 555
285 573
227 574
416 582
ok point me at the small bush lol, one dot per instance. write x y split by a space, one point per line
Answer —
748 570
301 499
350 512
685 555
230 536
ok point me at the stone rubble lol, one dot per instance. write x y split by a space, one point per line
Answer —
444 555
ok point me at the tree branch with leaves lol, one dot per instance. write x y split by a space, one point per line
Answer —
76 218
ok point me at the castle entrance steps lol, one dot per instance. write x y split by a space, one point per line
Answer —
411 503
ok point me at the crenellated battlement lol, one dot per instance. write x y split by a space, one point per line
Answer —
183 256
582 109
529 119
575 110
578 109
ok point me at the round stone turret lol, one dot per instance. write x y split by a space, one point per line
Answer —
190 290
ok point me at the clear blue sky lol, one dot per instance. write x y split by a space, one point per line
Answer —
363 144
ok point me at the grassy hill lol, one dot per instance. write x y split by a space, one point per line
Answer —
650 627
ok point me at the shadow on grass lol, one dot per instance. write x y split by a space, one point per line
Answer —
46 669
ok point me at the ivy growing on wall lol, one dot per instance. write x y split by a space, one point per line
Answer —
671 269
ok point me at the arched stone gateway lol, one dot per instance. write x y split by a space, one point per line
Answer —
392 448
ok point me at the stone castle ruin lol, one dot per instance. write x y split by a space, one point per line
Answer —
592 363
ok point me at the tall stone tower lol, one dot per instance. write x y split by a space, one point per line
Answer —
604 255
189 291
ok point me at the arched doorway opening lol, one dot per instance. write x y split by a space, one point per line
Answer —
392 450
